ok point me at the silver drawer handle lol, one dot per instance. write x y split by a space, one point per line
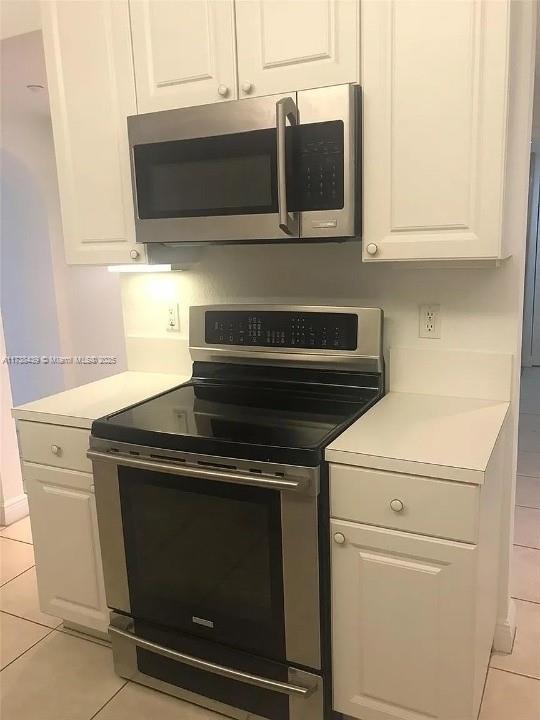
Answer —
56 449
276 685
275 483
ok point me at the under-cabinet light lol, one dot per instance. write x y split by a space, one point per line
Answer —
139 268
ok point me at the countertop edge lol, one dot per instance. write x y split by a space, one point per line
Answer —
416 466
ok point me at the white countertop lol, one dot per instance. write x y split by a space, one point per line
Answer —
80 406
442 437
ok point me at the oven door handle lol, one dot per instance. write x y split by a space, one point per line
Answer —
274 483
285 108
231 673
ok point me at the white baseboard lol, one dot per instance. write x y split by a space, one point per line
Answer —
13 510
505 631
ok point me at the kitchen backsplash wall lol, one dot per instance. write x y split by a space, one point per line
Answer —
477 304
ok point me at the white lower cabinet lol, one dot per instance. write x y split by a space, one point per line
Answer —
403 624
66 543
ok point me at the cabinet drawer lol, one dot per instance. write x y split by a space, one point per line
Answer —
55 445
430 507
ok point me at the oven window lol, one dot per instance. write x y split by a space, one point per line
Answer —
205 557
222 175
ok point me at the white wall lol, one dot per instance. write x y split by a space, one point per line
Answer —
19 16
27 288
49 308
478 304
13 502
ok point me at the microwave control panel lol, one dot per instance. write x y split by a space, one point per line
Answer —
303 330
318 166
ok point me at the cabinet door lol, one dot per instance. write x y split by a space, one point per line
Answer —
183 52
285 45
434 81
402 618
92 91
66 543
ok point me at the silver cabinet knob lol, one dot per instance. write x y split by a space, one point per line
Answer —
223 90
56 449
92 488
372 249
339 538
134 254
397 505
247 87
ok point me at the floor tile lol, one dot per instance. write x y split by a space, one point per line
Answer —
17 636
526 574
20 597
19 530
15 558
60 678
525 656
136 702
510 697
529 464
527 527
528 491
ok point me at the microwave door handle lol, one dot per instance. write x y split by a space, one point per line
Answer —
285 109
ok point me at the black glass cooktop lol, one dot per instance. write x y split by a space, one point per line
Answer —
285 417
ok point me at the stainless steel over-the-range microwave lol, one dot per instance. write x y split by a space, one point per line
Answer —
283 167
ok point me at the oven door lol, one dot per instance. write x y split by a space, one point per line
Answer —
224 554
214 172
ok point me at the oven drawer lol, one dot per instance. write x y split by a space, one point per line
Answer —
218 677
56 445
405 502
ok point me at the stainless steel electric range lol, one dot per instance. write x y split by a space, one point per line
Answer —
213 509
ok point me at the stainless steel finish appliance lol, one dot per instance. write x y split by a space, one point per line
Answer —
367 353
282 167
213 509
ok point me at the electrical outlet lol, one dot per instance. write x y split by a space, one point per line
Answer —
173 322
429 321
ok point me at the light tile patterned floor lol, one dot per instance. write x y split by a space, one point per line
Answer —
50 675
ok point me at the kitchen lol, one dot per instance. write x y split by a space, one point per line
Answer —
451 240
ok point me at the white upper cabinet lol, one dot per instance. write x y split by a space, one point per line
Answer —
92 91
284 45
434 77
183 52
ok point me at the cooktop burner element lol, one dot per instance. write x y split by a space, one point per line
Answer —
280 422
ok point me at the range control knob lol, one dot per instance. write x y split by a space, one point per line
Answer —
339 538
223 90
372 249
397 505
134 254
247 87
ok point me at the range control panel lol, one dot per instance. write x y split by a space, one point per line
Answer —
284 329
